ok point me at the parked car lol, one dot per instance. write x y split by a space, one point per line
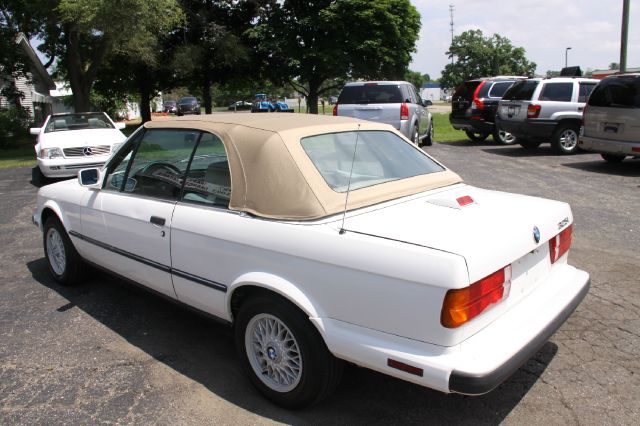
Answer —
391 102
170 107
307 235
72 141
540 110
188 105
611 118
263 104
333 100
474 108
239 106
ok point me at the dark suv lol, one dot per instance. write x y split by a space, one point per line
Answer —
474 105
188 105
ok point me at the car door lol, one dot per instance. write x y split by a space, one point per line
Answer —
202 248
128 221
423 114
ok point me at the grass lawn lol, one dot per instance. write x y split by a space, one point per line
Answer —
17 157
443 130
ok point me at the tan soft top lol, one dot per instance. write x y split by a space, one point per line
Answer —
271 174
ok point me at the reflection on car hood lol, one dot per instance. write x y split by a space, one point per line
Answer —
488 233
86 137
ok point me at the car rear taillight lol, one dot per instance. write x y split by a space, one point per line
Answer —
404 111
335 109
533 111
477 103
560 244
462 305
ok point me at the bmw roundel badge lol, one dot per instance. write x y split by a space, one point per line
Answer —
536 234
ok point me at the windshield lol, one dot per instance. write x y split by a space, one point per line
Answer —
380 157
90 120
187 101
371 94
521 90
617 92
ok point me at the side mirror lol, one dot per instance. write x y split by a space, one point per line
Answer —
120 126
90 178
35 130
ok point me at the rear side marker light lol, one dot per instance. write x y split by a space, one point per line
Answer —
404 112
462 305
465 201
560 244
533 111
404 367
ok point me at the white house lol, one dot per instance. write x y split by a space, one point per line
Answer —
35 88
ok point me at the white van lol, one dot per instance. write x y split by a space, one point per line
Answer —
611 121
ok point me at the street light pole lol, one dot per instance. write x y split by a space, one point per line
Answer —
566 56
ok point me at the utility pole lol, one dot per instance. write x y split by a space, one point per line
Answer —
624 35
451 9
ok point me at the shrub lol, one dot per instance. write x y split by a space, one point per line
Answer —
14 126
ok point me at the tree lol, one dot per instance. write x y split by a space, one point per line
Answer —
417 79
614 66
82 33
316 46
479 56
13 61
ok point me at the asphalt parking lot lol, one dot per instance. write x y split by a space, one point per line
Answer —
107 352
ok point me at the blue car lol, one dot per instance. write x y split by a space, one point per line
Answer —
262 104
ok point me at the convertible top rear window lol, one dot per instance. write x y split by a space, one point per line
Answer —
379 157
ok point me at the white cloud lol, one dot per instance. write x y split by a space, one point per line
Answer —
543 27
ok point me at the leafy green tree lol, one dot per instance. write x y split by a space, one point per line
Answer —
82 33
614 66
314 46
417 79
479 56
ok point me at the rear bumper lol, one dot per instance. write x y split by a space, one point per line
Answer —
477 384
531 129
479 363
467 124
608 146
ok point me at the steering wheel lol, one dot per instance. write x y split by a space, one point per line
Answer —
151 167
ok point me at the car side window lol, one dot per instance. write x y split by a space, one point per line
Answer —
209 179
585 91
156 165
560 92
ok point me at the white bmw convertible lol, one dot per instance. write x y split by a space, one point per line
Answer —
322 240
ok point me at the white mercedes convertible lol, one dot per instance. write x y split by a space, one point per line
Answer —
322 240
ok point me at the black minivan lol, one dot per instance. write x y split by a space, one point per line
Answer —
474 105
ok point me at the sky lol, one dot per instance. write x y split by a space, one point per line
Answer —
544 28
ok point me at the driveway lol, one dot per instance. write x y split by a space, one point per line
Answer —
107 352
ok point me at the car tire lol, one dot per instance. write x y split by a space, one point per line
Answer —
612 158
476 136
428 139
415 135
37 177
65 264
503 138
528 144
565 139
265 326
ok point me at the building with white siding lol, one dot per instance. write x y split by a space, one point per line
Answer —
36 87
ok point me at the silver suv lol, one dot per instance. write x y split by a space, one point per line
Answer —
611 120
392 102
539 110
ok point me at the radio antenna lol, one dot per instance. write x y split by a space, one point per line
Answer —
346 199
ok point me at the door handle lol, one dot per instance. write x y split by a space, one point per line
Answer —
160 221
